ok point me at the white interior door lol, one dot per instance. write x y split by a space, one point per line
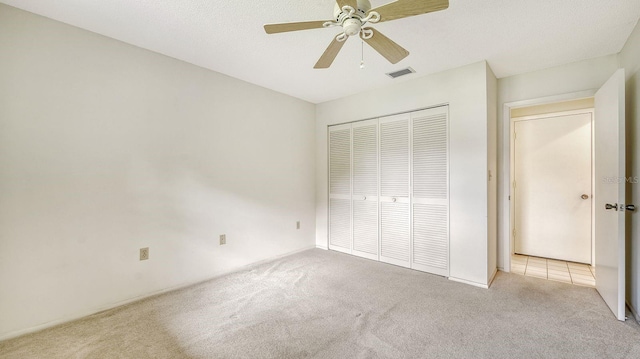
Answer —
552 195
365 189
395 210
610 193
340 229
430 191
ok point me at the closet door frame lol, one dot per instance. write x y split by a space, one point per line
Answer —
410 200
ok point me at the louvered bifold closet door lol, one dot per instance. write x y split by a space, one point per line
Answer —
340 188
365 188
430 191
395 216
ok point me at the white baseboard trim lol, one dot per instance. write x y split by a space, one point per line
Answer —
464 281
634 312
87 313
493 276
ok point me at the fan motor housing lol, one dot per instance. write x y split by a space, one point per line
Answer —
361 11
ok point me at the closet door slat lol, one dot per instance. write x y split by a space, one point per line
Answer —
431 237
365 189
340 223
394 157
395 209
340 220
340 161
430 158
395 236
365 159
365 228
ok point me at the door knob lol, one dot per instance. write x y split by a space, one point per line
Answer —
611 206
585 196
393 199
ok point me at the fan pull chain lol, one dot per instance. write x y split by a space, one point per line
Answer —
362 61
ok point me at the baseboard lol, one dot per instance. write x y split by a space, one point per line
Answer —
57 322
463 281
634 312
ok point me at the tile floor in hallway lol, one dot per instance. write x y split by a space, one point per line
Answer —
551 269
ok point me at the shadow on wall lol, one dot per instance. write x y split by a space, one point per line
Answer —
83 230
188 202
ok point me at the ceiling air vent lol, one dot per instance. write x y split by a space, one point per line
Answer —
402 72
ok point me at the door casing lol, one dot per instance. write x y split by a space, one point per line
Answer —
506 174
512 202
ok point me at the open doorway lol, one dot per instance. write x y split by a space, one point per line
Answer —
609 194
551 199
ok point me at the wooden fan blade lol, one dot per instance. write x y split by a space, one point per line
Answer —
386 47
329 54
352 3
293 26
405 8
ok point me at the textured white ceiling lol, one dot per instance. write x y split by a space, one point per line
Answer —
515 36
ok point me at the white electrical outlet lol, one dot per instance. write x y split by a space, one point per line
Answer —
223 239
144 254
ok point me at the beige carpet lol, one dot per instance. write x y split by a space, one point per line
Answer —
320 304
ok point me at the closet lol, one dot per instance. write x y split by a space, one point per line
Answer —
389 189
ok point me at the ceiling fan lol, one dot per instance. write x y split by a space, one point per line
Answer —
353 15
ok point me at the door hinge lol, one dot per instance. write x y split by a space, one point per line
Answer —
515 136
514 184
514 233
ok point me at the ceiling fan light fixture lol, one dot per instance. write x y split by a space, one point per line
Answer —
352 27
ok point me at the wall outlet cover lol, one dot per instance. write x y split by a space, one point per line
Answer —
144 254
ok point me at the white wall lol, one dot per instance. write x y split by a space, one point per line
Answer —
106 148
556 81
630 60
465 90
